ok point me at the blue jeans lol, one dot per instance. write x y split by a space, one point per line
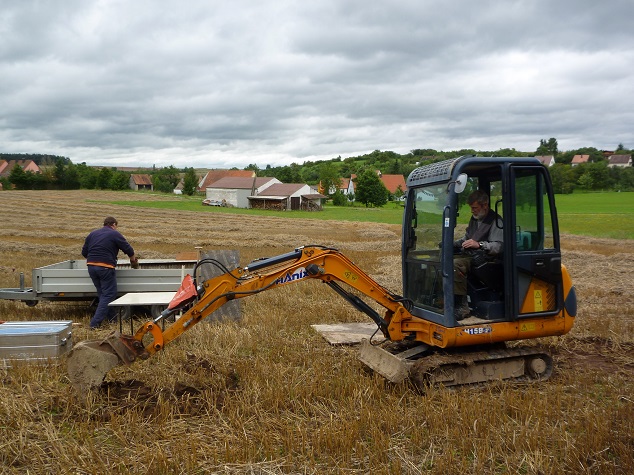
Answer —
105 281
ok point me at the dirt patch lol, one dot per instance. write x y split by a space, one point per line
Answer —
211 386
130 389
133 389
595 355
123 397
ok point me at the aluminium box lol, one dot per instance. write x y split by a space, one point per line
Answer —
35 340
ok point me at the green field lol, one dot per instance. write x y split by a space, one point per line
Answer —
392 213
607 215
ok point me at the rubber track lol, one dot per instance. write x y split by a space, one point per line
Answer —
482 365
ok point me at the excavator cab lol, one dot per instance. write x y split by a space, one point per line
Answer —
525 280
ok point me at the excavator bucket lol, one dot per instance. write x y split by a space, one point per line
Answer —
89 361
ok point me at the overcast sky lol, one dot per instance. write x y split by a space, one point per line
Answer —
218 84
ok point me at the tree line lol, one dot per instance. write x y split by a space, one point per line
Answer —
61 173
65 175
595 175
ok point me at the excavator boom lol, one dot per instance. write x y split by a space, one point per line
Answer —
91 360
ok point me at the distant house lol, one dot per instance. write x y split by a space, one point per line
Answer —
546 160
27 165
235 191
579 159
284 196
620 161
213 176
141 182
347 186
391 182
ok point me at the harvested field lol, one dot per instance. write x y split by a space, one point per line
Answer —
267 395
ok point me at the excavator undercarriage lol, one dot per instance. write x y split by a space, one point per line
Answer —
425 366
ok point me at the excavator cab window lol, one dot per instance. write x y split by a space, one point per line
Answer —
533 223
431 213
423 257
537 258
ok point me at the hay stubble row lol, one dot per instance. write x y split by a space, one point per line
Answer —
267 395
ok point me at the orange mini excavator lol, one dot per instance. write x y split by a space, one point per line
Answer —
521 293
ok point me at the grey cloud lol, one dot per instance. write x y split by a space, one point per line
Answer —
212 83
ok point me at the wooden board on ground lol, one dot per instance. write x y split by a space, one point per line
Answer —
349 333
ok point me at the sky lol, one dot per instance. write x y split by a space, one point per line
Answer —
221 84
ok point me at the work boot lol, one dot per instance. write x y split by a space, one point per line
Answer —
461 307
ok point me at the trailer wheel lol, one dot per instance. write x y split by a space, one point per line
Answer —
156 310
30 303
126 313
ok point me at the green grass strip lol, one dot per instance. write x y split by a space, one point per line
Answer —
607 215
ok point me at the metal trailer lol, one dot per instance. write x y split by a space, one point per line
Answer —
69 281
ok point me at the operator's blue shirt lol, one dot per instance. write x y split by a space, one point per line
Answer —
102 246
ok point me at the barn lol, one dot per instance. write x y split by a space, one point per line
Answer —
141 182
285 196
235 191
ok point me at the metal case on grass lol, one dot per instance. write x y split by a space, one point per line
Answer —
34 341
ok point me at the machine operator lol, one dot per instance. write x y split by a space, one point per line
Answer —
482 241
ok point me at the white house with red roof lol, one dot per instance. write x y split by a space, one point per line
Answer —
546 160
235 191
579 159
393 183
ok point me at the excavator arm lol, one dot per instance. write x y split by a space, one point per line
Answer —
90 360
325 264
